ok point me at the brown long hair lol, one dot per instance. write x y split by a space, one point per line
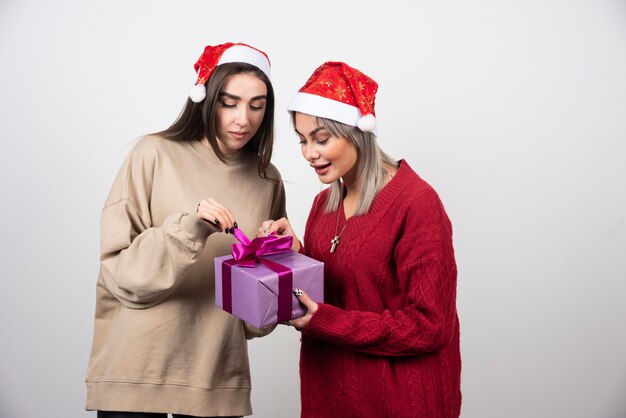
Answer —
197 120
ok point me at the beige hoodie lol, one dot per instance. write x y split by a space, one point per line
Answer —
160 344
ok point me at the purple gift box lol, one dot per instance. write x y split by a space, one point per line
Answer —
262 294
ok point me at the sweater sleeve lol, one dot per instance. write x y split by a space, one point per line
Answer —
424 260
142 264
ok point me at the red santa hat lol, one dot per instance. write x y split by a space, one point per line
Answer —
339 92
222 54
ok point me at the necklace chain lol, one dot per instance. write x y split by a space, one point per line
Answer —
336 239
334 243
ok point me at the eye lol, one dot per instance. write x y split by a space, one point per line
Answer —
260 105
228 104
322 140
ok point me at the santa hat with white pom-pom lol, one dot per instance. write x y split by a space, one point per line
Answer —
222 54
339 92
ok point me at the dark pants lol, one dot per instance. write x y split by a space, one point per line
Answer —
107 414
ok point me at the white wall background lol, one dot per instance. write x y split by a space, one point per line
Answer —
515 111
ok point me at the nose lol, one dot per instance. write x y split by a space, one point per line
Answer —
310 152
241 118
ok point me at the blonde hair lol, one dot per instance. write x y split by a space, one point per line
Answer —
370 171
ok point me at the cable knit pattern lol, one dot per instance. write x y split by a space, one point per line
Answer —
386 342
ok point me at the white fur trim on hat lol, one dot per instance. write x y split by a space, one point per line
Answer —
197 93
367 123
323 107
242 53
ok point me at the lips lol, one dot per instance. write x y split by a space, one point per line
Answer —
239 135
321 169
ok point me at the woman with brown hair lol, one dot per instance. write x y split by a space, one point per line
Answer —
160 344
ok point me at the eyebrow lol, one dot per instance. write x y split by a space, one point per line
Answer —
313 132
232 96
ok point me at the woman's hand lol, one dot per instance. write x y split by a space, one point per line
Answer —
216 214
301 323
281 227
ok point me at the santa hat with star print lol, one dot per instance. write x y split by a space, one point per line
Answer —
339 92
222 54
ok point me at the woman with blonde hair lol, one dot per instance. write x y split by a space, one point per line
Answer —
385 342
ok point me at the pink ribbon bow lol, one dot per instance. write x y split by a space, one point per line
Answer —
248 252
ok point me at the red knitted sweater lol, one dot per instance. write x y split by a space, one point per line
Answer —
386 342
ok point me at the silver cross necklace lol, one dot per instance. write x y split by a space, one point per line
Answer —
336 239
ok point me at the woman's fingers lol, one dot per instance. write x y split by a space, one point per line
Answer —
279 227
212 215
212 211
263 231
224 211
301 323
304 299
